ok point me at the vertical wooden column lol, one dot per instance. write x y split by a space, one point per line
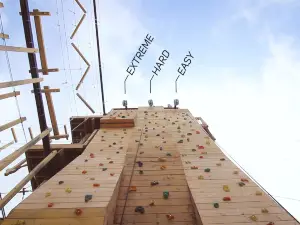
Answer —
51 111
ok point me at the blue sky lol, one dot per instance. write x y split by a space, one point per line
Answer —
244 80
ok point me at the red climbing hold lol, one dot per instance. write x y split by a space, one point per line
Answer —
50 204
200 147
84 172
170 217
78 212
226 199
201 156
244 180
96 185
92 155
197 132
101 164
271 223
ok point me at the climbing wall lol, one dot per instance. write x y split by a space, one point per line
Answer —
153 186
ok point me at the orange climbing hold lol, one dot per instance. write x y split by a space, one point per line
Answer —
197 132
112 174
163 167
132 188
244 180
78 212
84 172
170 217
96 185
101 164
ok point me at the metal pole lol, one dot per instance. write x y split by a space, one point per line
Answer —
34 73
99 58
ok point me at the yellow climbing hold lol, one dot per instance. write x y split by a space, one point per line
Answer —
200 177
68 190
48 194
253 218
226 188
258 193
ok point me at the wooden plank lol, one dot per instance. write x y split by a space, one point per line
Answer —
82 78
13 156
15 168
9 95
6 145
66 131
48 70
87 105
77 26
56 137
20 82
30 132
39 13
4 36
81 6
48 90
40 40
18 49
79 53
24 181
14 134
12 123
59 221
51 111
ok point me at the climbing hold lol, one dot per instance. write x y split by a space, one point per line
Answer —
204 153
200 177
170 217
242 184
153 183
197 132
92 178
189 134
216 205
141 144
68 190
104 169
140 164
112 174
168 154
244 180
141 172
20 222
101 164
84 172
178 127
271 223
47 194
141 152
140 209
258 193
207 170
60 182
218 164
50 204
264 210
164 141
88 198
92 155
227 199
161 159
109 146
187 162
152 203
183 136
253 218
166 194
193 150
111 162
201 156
85 160
96 185
160 148
78 212
117 152
222 159
114 143
226 188
180 141
200 147
132 188
157 135
163 167
194 167
188 139
235 172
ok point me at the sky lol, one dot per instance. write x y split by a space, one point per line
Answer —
243 80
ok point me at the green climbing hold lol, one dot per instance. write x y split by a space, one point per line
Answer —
216 205
193 150
207 170
88 198
141 172
104 169
241 184
180 141
168 154
166 194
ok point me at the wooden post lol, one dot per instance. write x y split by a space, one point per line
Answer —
51 111
7 145
78 25
87 105
15 168
12 123
81 6
13 156
79 53
9 95
66 131
30 132
23 182
48 90
20 82
56 137
82 78
14 134
18 49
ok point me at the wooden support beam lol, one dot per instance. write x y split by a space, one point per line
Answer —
13 156
66 131
87 105
48 70
9 95
85 120
79 53
82 78
14 134
18 49
56 137
4 36
20 82
30 132
6 145
48 90
15 168
81 6
39 13
78 25
51 111
24 181
12 123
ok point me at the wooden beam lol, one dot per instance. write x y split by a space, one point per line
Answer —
78 25
51 111
82 78
81 6
15 168
1 5
4 36
18 49
12 123
66 131
85 120
24 181
20 82
7 145
87 105
9 95
79 53
48 90
56 137
39 13
13 156
30 132
14 134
